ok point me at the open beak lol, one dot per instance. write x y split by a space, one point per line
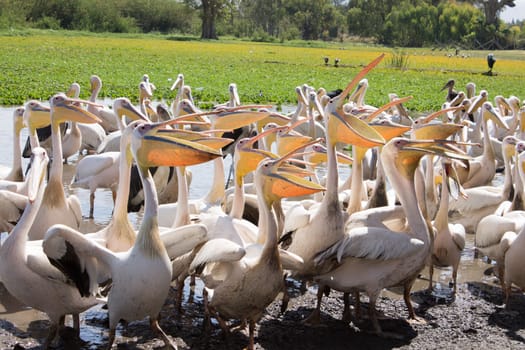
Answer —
231 119
389 129
39 161
151 148
318 155
281 179
394 102
249 158
341 98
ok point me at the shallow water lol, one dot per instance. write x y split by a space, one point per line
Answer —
27 320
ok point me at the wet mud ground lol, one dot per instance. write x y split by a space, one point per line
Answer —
475 318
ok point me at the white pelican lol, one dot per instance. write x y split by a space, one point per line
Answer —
142 275
481 170
107 117
493 227
25 270
56 207
513 245
369 259
481 201
72 138
312 231
102 170
449 240
16 173
241 281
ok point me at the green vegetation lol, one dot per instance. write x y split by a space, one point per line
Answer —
36 65
468 24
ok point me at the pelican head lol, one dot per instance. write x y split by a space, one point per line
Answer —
36 115
246 157
18 119
145 90
405 154
123 108
64 109
281 180
234 94
478 101
178 82
489 113
95 82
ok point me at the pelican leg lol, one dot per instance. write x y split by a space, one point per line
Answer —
155 327
192 288
180 290
373 315
500 265
431 274
286 296
357 301
91 204
455 279
315 316
251 345
76 324
412 317
206 322
111 337
347 315
508 290
53 332
114 196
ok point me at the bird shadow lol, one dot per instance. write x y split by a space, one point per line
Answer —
487 292
511 318
332 333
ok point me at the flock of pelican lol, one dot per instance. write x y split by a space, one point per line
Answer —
417 187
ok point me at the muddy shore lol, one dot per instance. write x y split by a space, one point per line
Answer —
475 318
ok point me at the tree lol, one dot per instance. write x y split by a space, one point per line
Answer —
209 15
493 8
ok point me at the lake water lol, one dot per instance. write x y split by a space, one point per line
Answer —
471 269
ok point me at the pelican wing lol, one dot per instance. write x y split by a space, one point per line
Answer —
296 217
11 186
372 243
81 259
507 240
182 239
458 236
12 206
477 198
38 262
92 165
290 261
217 250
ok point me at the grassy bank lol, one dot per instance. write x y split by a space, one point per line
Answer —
35 65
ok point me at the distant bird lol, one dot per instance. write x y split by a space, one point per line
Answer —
336 62
490 61
326 59
451 92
